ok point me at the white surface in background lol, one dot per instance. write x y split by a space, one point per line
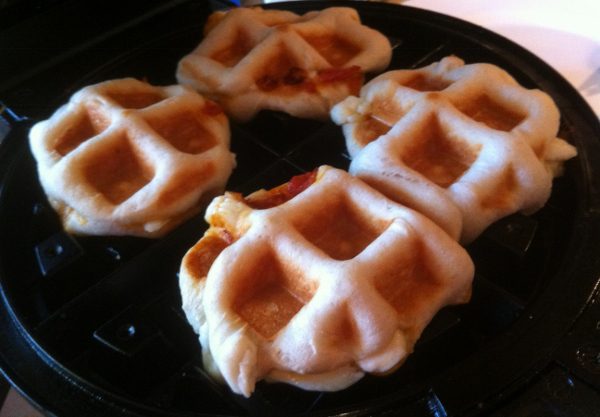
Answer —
16 406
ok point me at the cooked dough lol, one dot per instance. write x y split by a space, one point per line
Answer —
316 283
253 59
126 158
463 144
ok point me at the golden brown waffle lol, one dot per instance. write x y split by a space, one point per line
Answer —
253 59
316 282
124 157
463 144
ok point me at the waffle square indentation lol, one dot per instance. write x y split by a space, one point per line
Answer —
135 99
232 53
485 110
423 83
185 131
408 284
341 230
334 49
272 295
117 171
437 155
87 123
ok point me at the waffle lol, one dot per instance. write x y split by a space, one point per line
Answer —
252 59
463 144
316 283
126 158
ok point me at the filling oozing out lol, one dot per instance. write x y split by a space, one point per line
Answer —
282 193
283 74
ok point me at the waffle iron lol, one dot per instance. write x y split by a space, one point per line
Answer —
92 326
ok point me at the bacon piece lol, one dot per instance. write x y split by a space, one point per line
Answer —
211 108
282 193
331 75
301 182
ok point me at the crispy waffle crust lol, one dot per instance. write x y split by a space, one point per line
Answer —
126 158
253 59
463 144
316 282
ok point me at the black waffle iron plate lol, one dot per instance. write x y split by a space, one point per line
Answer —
92 326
